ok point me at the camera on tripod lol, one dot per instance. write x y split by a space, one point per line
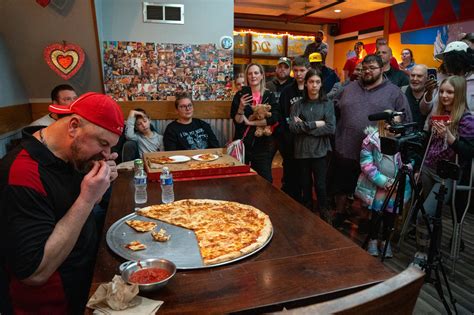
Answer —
403 141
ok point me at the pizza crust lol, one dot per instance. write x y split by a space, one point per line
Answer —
160 236
135 246
141 226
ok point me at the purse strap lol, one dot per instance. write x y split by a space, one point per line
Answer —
245 133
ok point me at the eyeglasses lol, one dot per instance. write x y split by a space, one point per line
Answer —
188 106
371 69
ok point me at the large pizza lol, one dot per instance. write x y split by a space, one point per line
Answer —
224 230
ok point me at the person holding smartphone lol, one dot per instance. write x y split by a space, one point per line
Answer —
452 129
257 149
457 60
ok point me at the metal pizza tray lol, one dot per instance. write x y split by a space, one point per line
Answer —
182 248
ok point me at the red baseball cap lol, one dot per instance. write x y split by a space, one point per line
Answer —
99 109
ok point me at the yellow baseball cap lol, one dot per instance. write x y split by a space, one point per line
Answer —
315 57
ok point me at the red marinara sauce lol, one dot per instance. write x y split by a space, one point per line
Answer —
149 275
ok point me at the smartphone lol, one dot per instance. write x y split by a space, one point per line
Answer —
247 90
432 74
441 117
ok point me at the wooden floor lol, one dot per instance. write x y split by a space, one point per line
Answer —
428 302
462 285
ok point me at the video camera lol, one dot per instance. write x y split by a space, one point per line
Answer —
403 141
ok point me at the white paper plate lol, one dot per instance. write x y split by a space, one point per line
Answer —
212 157
180 158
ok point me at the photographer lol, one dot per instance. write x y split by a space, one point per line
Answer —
449 137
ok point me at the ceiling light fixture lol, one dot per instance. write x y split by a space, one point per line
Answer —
337 11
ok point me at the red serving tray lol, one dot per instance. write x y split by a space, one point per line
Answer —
179 170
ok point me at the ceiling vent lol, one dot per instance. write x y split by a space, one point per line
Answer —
163 13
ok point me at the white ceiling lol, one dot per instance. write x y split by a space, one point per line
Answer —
300 7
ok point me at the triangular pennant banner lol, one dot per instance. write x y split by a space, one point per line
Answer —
443 14
427 7
400 11
456 4
414 18
393 28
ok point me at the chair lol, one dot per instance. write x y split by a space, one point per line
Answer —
396 295
130 151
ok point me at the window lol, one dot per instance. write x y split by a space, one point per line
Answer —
163 13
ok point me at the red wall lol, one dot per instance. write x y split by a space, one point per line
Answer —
443 14
362 21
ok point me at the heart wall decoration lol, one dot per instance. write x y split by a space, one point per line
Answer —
64 59
43 3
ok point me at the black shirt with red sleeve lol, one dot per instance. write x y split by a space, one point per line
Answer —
36 191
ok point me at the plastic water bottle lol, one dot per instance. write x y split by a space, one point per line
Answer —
140 183
167 193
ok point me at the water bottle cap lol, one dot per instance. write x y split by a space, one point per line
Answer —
138 162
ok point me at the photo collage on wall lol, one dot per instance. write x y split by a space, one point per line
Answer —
137 71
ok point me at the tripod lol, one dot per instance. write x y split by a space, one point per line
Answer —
434 263
399 186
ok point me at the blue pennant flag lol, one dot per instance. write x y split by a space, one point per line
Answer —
427 8
401 12
456 4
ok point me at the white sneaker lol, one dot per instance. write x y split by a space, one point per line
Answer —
419 260
372 248
388 253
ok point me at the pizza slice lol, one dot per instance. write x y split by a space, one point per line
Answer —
141 226
161 160
207 157
135 245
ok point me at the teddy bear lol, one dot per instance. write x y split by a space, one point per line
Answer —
261 111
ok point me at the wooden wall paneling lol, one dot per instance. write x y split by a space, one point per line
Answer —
96 33
166 109
14 117
158 109
38 110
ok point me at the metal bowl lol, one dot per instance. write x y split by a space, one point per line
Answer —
130 267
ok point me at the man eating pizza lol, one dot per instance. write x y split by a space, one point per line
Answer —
49 185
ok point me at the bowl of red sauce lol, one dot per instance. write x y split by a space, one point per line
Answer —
149 274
